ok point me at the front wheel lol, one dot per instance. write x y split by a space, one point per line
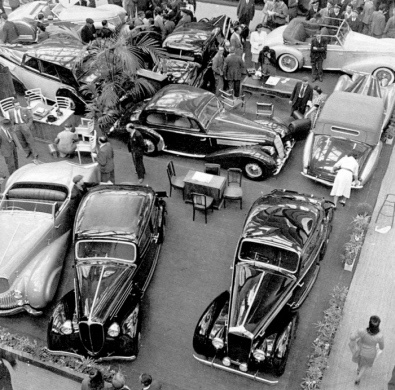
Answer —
151 147
288 63
384 73
255 170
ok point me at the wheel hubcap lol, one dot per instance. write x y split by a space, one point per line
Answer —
382 74
288 62
253 170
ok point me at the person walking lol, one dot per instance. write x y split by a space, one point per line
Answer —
149 383
377 26
365 351
347 171
8 147
66 141
218 69
105 158
257 42
22 121
246 11
317 56
234 68
136 147
301 95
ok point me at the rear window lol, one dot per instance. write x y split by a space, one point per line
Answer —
106 249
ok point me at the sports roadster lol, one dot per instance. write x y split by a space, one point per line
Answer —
347 50
118 234
189 121
249 330
37 210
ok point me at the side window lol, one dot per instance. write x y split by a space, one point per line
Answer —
156 118
66 76
178 121
32 63
145 238
49 69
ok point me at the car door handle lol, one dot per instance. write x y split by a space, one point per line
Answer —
58 226
300 284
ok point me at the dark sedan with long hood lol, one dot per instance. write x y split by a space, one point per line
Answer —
189 121
118 234
249 330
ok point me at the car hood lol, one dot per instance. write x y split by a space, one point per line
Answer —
102 285
21 232
275 37
255 293
229 125
78 14
364 43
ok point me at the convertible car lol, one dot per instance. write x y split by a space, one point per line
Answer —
348 51
189 121
191 48
37 210
249 330
352 119
118 234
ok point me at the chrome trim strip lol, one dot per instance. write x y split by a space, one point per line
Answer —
232 370
16 310
327 183
77 356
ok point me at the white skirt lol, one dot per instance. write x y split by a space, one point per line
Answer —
342 184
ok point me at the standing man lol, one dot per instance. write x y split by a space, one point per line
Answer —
246 11
366 16
136 146
378 22
9 32
218 69
389 31
22 120
88 32
236 42
233 71
8 147
301 95
105 158
317 57
355 22
149 383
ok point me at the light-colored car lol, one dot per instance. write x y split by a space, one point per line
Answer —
37 212
347 50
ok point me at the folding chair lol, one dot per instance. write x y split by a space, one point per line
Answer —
87 145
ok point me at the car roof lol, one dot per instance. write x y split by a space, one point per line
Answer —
114 211
362 113
182 99
29 9
282 217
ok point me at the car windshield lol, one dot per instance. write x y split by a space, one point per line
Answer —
329 150
267 254
30 205
212 108
105 249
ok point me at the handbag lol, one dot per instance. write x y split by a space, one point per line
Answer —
355 349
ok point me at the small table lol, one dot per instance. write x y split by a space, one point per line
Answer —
282 89
206 184
44 130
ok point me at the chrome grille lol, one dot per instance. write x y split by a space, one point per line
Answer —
92 336
8 301
239 348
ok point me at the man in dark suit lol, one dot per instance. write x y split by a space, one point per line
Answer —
317 57
8 147
105 158
315 7
136 147
301 95
149 383
234 68
88 32
246 11
355 22
22 121
9 32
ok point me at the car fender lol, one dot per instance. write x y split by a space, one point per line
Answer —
45 270
369 65
242 153
370 164
153 134
284 49
307 151
201 338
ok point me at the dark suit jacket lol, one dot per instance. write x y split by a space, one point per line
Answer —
235 41
245 12
26 116
355 25
136 144
318 49
233 67
6 146
88 33
105 158
308 94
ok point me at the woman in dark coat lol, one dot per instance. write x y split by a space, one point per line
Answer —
267 61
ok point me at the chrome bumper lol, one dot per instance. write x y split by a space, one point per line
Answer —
103 359
19 309
326 182
234 371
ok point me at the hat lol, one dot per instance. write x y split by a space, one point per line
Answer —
305 78
90 21
76 179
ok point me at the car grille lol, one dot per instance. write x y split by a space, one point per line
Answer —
92 336
8 301
239 348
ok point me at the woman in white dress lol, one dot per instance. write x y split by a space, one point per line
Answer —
257 42
347 171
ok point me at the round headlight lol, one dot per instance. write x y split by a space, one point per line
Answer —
259 355
243 367
218 343
66 328
113 330
226 361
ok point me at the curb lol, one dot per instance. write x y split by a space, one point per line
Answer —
57 370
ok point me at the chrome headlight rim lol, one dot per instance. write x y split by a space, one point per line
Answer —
218 343
114 330
66 328
259 355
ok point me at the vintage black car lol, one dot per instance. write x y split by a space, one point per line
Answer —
189 121
118 234
191 48
249 330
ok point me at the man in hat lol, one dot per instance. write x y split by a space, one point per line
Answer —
218 69
149 383
8 147
234 68
22 121
315 7
88 32
66 141
301 96
105 158
335 16
136 147
317 57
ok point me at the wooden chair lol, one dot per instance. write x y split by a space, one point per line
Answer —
175 181
6 105
264 109
87 145
202 202
64 102
234 191
34 96
212 169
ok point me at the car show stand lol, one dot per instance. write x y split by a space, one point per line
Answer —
281 87
45 130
